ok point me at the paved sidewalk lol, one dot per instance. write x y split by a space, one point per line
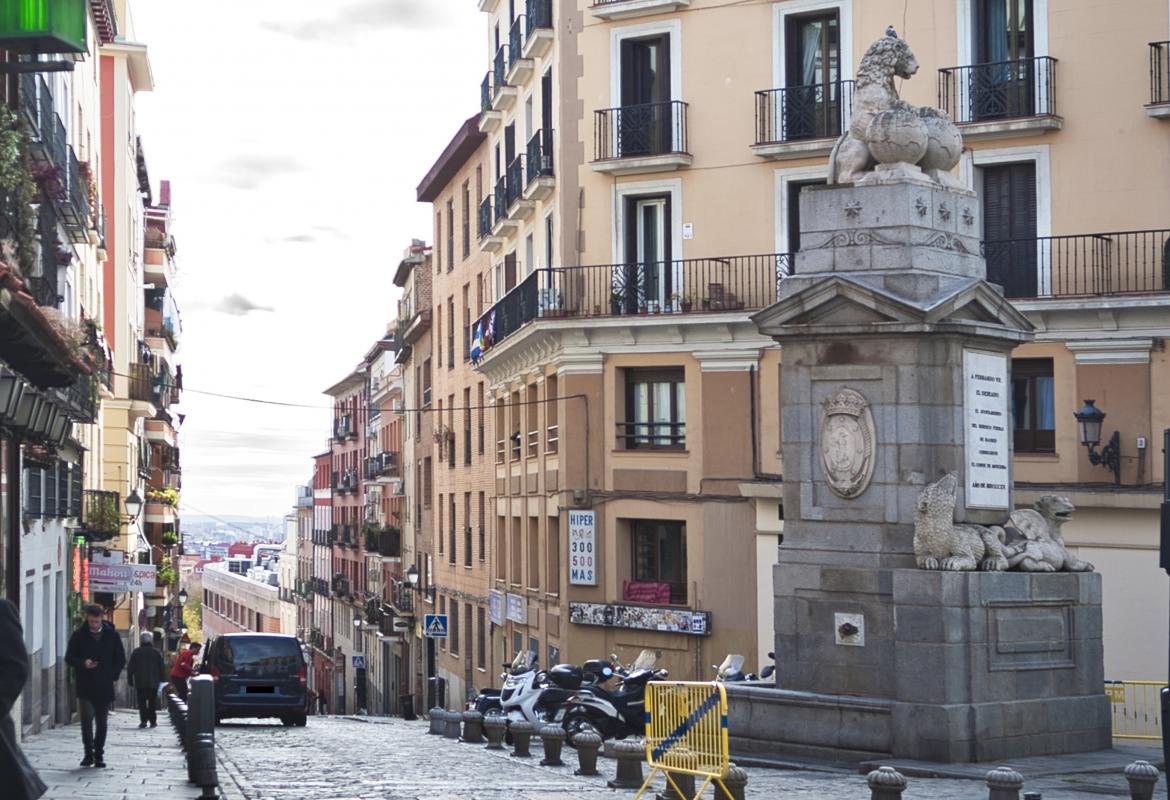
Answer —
144 764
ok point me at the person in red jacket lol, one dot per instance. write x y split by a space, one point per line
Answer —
184 669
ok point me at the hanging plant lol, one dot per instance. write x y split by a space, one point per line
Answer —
19 188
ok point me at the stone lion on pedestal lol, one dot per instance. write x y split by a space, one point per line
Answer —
1034 542
941 543
889 131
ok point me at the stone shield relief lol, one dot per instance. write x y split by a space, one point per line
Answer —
847 443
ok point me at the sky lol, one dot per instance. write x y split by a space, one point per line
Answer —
294 134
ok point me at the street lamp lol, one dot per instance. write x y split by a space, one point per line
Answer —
1090 420
133 505
412 576
183 596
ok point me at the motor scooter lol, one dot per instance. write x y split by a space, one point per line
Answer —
612 714
731 670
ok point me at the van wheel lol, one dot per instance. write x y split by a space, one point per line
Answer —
286 722
300 720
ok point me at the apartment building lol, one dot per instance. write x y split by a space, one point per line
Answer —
463 471
416 597
321 577
240 597
626 266
302 585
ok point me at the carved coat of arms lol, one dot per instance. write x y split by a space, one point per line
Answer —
847 442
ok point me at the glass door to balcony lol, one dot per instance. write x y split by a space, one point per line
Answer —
812 76
1000 83
644 125
1009 227
647 281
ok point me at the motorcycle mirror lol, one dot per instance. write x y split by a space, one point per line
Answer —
772 656
767 672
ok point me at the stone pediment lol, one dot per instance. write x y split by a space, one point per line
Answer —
847 305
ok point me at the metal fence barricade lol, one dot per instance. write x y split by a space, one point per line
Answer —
1136 709
686 733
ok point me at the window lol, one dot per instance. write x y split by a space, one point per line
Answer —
468 633
450 527
479 407
450 333
1009 226
793 222
426 483
501 548
450 235
517 571
467 219
650 276
1033 406
438 238
659 562
482 534
480 640
812 73
655 409
467 529
645 124
443 610
467 426
439 334
533 552
552 431
453 628
33 504
466 322
440 523
554 555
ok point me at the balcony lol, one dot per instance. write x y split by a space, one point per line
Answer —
101 515
1159 106
519 207
503 222
627 9
80 399
74 207
142 380
44 291
650 137
343 428
519 66
538 33
489 118
385 541
55 165
157 259
44 26
382 465
736 284
1005 98
801 121
503 95
539 181
1080 266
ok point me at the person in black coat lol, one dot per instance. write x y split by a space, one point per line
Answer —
16 775
96 654
144 673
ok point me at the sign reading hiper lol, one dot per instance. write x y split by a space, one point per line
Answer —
582 548
116 578
686 732
988 421
435 626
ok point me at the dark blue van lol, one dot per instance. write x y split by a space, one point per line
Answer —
257 675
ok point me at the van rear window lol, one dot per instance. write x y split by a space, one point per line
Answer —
265 651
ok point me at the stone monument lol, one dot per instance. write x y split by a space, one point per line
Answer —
904 626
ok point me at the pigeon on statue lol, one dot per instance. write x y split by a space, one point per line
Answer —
893 34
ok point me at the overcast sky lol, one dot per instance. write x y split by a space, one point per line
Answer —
294 134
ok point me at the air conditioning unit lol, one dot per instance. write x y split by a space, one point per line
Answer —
396 486
398 406
373 496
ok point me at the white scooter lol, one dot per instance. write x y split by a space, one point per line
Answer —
526 694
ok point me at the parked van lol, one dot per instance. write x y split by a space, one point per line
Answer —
257 675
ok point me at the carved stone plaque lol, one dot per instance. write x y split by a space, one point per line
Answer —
847 443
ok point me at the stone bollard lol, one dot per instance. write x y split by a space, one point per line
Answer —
1032 796
521 731
472 727
437 717
686 784
630 754
587 744
1004 783
885 783
494 728
201 708
201 762
454 720
1142 777
553 738
736 782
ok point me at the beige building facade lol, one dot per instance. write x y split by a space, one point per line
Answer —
628 256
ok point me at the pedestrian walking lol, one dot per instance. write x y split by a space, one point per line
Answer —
184 669
16 774
96 654
145 672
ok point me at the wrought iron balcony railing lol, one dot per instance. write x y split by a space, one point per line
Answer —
540 154
1085 265
80 398
485 93
636 131
385 541
142 382
500 69
75 211
1001 90
514 185
485 217
501 198
690 286
796 113
1159 73
539 15
516 39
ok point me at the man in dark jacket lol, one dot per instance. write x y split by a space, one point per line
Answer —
145 672
19 779
96 654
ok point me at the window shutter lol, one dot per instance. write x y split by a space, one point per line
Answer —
75 490
1009 215
35 493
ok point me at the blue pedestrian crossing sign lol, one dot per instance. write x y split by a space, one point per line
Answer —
435 626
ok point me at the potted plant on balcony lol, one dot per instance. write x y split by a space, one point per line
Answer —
166 574
687 303
169 538
615 303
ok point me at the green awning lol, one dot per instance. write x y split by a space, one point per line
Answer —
43 26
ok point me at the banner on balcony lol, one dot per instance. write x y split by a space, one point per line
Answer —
641 618
120 578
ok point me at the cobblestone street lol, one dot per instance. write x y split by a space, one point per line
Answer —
388 758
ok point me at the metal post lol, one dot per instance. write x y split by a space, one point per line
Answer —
1165 563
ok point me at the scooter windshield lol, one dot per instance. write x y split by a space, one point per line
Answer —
732 665
523 662
645 660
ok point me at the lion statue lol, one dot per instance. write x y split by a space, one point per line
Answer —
940 543
885 129
1034 542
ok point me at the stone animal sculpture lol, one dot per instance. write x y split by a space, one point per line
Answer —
1034 542
887 130
940 543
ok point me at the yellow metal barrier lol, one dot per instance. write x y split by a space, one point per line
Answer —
686 732
1137 708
